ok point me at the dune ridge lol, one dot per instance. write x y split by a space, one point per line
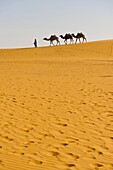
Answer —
56 107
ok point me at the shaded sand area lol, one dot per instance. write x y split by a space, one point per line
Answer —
56 107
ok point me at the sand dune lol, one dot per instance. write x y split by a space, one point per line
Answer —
56 107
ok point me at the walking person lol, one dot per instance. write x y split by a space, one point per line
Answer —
35 43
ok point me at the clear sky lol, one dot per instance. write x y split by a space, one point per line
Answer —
21 21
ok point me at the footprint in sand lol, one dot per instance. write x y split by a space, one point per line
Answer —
97 165
31 141
100 153
111 165
35 162
71 165
14 100
1 163
8 138
92 148
74 156
61 132
62 124
64 144
55 153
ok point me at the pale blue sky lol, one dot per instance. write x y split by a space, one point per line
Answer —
21 21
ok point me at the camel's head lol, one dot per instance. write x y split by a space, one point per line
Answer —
45 39
73 34
61 36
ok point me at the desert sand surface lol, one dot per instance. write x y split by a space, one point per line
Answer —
56 107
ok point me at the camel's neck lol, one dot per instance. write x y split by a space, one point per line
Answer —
47 39
74 35
62 37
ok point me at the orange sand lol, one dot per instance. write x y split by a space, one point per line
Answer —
56 107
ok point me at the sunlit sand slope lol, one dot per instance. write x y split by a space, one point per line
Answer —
56 107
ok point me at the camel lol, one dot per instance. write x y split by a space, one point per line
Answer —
66 37
78 36
52 38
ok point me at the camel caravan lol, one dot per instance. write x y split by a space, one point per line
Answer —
67 37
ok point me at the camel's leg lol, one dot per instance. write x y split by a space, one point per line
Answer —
84 39
53 44
76 41
79 40
50 43
58 42
71 41
65 41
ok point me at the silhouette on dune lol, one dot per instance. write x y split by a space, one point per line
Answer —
79 36
66 37
51 39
